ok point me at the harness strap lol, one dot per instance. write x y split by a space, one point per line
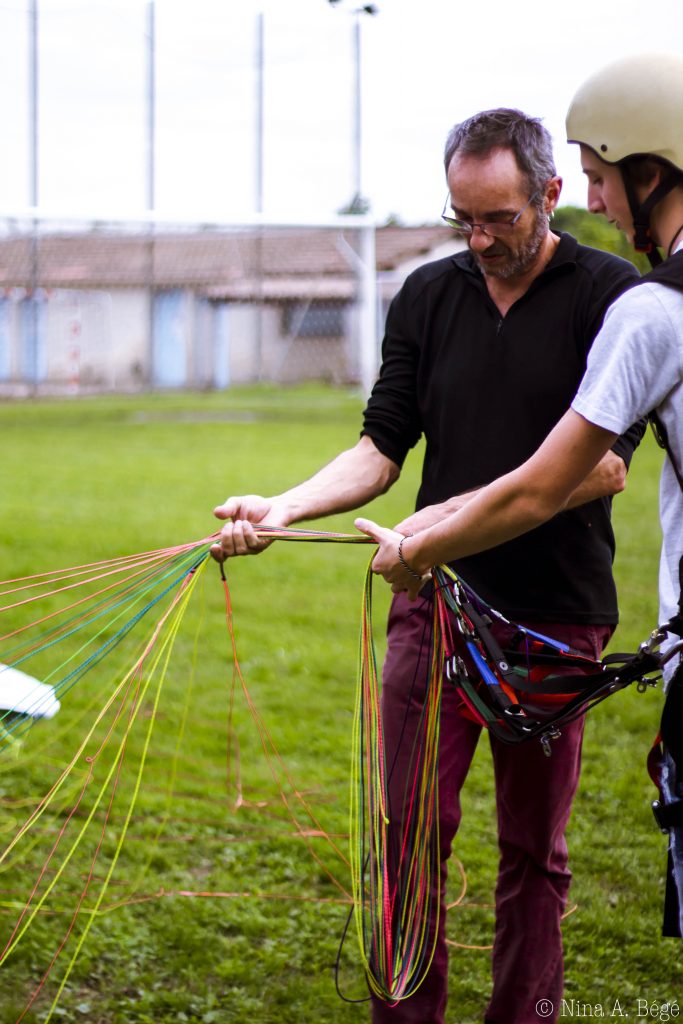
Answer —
668 816
640 212
671 727
665 764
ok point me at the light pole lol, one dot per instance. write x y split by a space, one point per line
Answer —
358 203
32 368
364 259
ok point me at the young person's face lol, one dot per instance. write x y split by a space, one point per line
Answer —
606 192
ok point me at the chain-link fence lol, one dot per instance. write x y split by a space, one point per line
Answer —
103 306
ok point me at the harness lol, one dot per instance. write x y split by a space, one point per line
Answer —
534 685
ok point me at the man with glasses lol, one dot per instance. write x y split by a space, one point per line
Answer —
483 353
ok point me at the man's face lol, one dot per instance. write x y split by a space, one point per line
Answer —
492 188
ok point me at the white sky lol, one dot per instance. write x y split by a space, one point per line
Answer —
426 64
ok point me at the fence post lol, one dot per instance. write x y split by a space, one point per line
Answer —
369 346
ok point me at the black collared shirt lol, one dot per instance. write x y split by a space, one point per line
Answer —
485 391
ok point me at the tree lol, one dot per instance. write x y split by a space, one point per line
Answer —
358 206
598 233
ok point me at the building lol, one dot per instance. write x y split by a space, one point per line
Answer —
130 307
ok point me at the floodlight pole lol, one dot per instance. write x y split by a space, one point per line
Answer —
33 102
259 104
357 113
150 190
368 272
32 339
151 106
356 101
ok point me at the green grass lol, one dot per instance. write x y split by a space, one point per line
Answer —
85 480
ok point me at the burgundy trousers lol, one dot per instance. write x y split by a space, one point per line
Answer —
534 794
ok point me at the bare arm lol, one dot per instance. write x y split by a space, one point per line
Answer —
510 506
353 478
608 477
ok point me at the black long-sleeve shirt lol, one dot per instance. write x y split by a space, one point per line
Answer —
485 391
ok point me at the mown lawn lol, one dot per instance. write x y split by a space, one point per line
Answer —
218 912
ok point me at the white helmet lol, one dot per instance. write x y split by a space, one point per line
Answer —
634 107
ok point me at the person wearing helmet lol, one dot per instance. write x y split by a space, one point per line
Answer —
628 118
627 121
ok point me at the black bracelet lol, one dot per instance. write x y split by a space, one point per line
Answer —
403 562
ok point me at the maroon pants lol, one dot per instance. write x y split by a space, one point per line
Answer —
534 795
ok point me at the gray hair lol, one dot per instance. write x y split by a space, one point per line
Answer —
505 128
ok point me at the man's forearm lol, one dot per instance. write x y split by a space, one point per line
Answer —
608 477
352 479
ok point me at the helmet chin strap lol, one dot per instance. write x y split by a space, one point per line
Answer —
640 212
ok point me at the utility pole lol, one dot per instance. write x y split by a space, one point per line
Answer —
150 191
259 103
259 110
33 102
358 203
32 327
150 182
364 257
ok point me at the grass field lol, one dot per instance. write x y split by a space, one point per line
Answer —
256 942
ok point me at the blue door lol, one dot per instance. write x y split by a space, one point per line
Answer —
5 357
221 345
169 348
33 351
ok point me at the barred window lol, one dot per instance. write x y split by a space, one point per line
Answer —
313 319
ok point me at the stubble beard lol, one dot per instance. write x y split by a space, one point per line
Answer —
524 257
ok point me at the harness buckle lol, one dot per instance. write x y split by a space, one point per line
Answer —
655 638
668 816
455 669
546 737
645 684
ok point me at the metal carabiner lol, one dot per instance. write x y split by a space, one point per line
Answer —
546 737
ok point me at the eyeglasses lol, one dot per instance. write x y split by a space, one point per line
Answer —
495 228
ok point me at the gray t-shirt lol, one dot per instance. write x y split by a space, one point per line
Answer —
635 366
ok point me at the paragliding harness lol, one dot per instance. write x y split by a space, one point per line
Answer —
534 685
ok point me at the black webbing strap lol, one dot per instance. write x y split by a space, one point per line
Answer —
618 669
642 241
668 816
669 273
668 811
671 925
660 432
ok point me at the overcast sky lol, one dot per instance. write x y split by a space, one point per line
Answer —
425 65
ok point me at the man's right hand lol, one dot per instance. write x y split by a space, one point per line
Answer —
238 536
